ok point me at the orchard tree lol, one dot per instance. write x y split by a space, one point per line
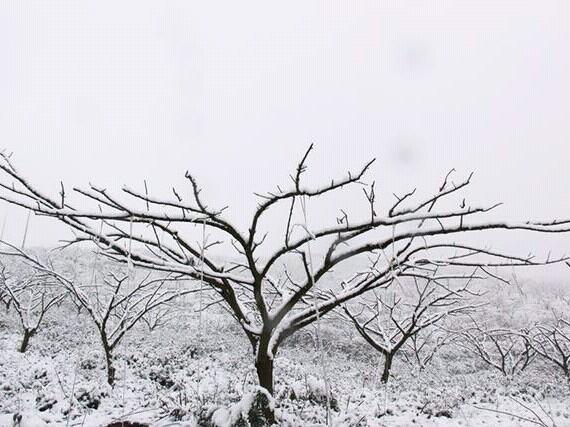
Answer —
422 347
162 233
5 298
551 342
389 319
160 316
502 349
549 337
32 294
115 305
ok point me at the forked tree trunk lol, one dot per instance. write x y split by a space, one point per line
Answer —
387 367
28 333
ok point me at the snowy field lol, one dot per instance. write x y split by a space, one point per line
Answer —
175 376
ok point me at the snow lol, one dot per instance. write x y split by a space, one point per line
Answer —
176 375
26 420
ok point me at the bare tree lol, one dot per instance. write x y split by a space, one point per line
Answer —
502 349
160 316
412 235
388 322
550 339
552 342
32 295
117 304
422 347
5 298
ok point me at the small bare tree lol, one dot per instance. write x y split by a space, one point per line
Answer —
5 298
160 316
550 339
502 349
117 304
422 347
388 322
552 342
413 233
32 295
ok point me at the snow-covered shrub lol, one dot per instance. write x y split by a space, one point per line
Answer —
161 375
442 403
255 409
88 363
177 405
45 401
311 389
90 396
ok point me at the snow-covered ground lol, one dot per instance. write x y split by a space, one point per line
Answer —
176 376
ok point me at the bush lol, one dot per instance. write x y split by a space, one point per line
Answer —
312 390
255 409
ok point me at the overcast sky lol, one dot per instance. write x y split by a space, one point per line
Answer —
116 92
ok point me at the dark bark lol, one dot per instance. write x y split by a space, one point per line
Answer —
264 365
387 367
28 333
110 367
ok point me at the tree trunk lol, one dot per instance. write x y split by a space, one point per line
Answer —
264 365
387 367
28 333
110 367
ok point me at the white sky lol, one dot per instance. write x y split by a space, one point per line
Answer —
116 92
